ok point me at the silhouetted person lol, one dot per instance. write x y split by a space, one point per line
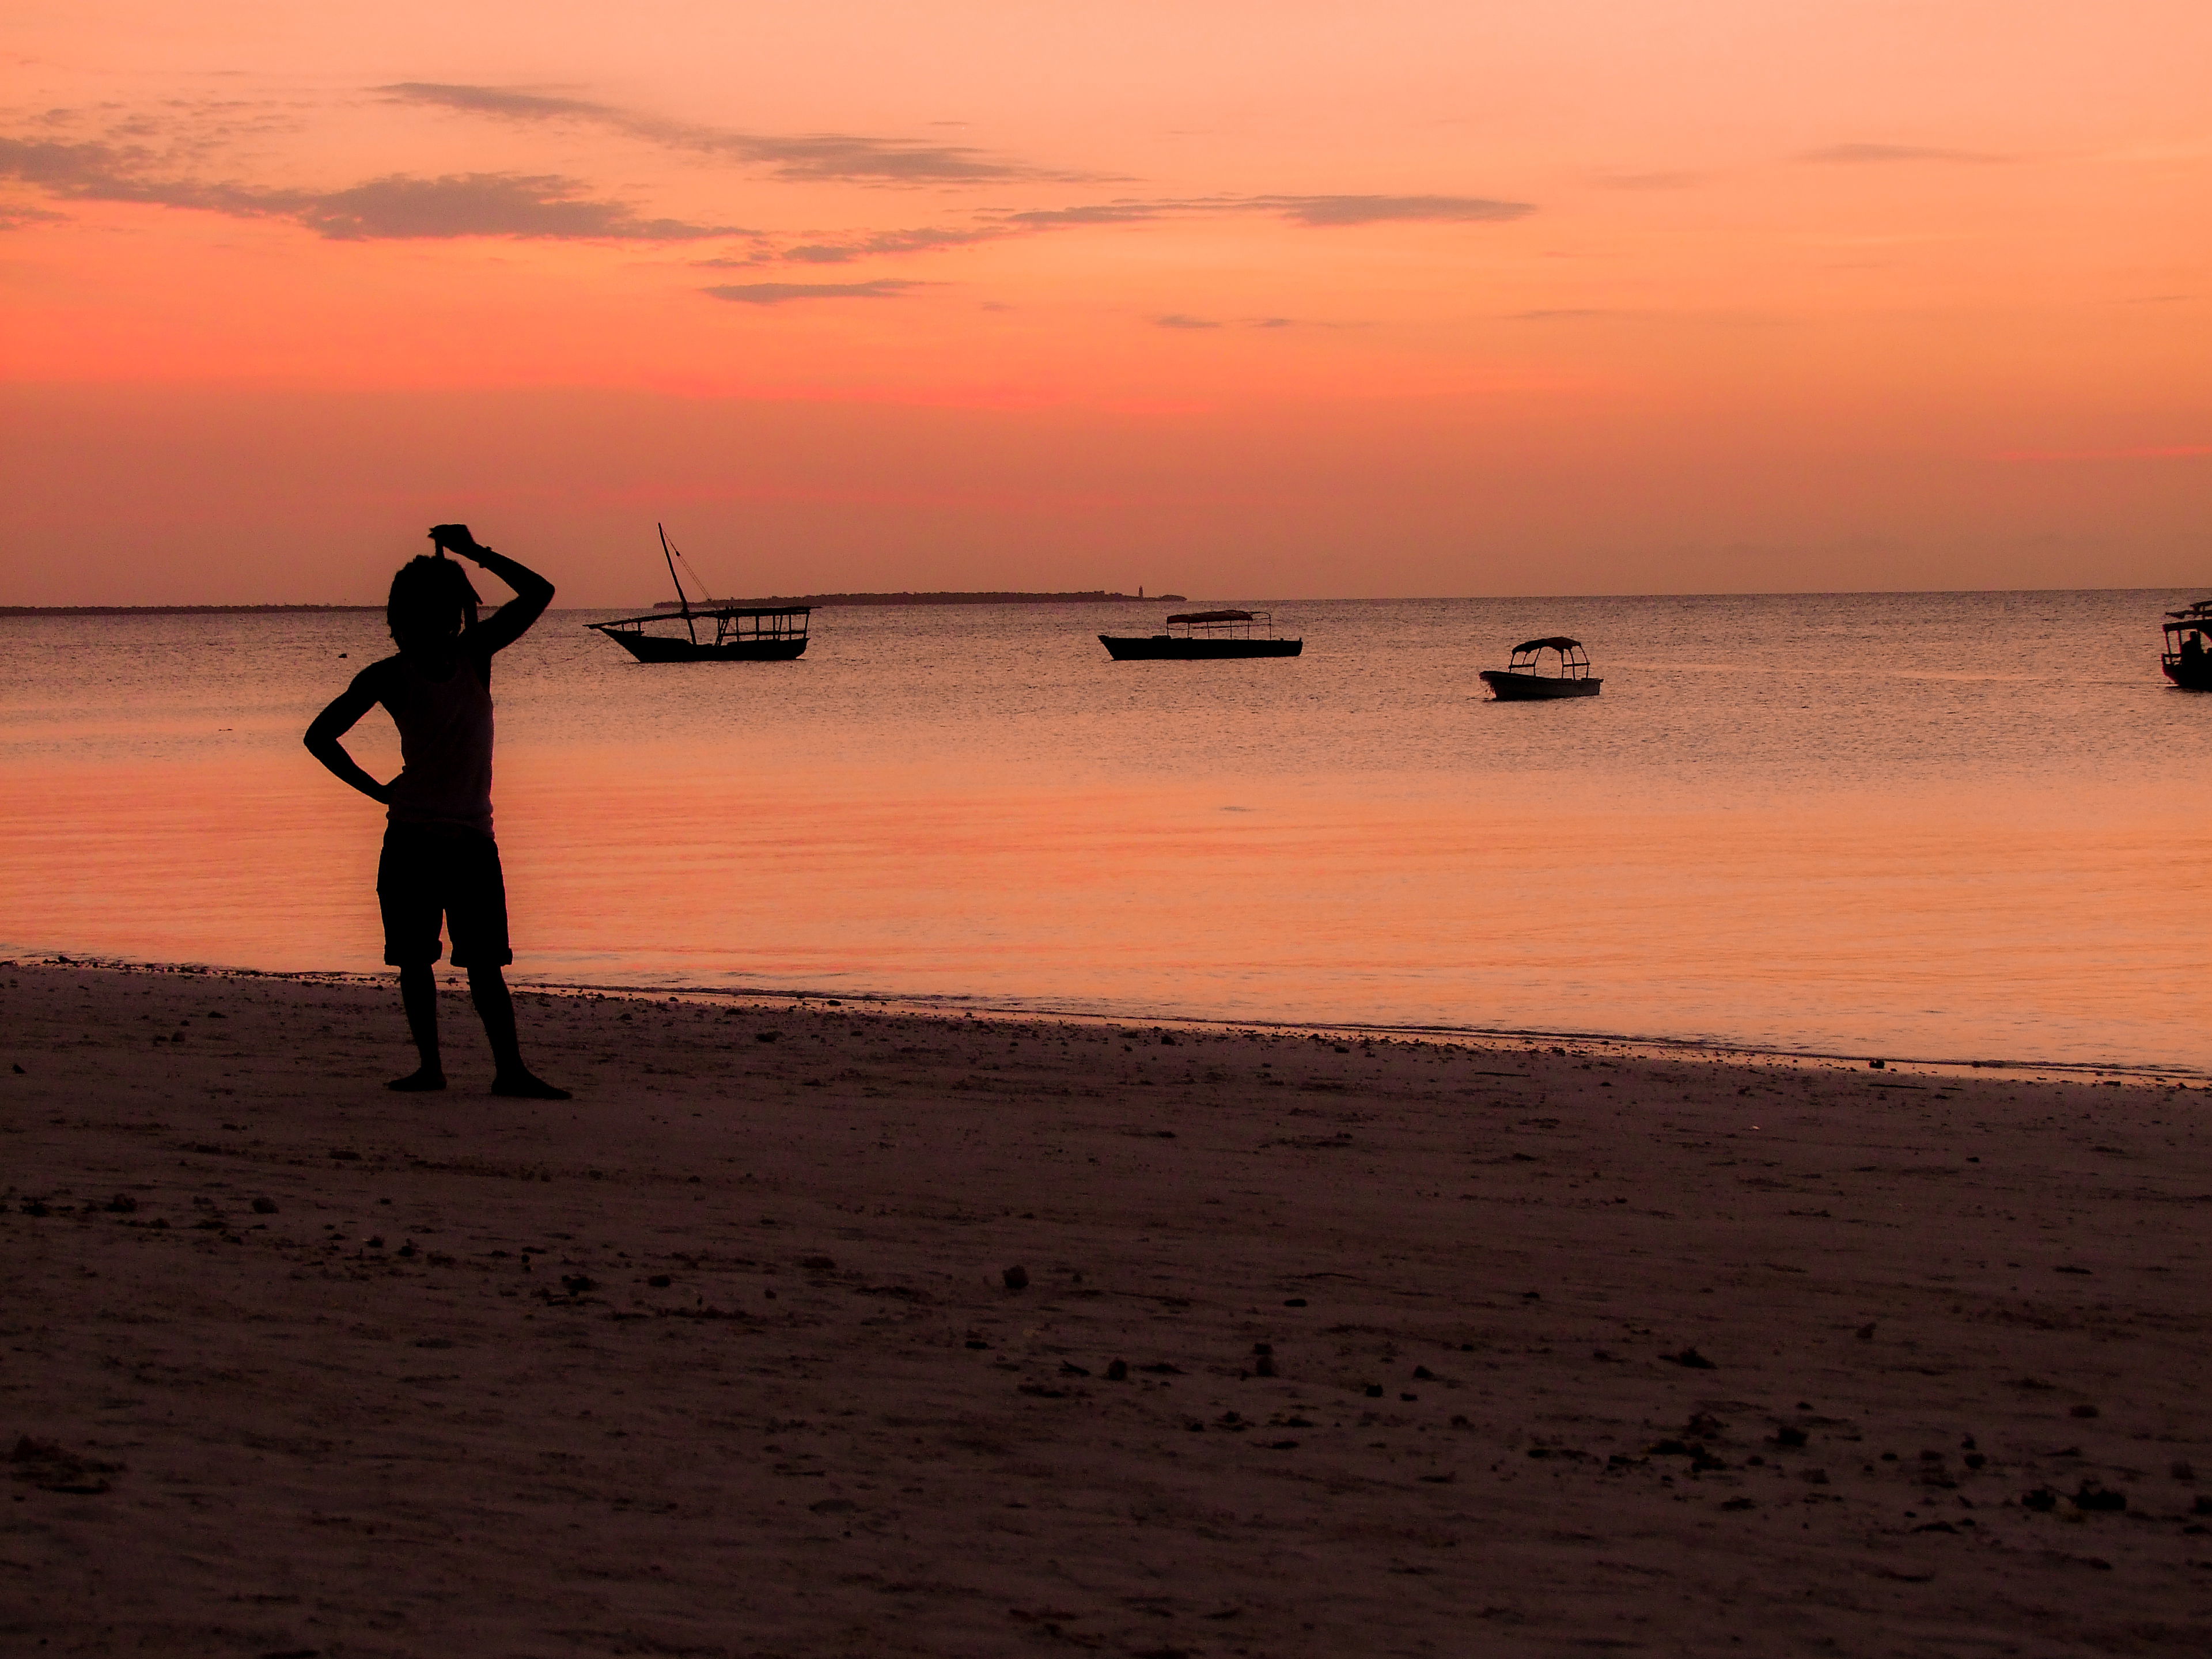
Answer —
440 860
2192 656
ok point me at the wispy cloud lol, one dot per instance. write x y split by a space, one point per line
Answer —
487 204
1388 209
851 157
1100 213
891 242
1853 154
1312 212
15 216
395 207
1316 210
857 158
513 102
777 293
1183 319
173 156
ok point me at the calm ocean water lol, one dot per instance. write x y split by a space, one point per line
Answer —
1937 825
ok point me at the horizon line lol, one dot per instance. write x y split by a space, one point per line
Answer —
890 597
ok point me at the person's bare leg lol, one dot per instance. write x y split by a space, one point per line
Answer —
418 994
487 985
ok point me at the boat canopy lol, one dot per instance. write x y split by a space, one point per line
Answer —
1211 617
703 613
1527 657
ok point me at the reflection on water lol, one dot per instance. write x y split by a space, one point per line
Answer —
1964 826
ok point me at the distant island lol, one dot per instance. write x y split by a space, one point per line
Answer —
1093 595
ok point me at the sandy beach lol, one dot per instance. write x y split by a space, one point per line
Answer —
1318 1345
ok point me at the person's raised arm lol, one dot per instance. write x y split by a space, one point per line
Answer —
532 592
344 713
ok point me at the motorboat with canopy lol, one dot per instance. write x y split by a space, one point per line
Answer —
1192 635
2186 659
1541 669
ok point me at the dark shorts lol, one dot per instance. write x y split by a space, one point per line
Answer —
429 873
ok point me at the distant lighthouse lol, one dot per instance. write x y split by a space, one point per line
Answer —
1140 590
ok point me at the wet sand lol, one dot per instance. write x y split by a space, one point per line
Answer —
1325 1346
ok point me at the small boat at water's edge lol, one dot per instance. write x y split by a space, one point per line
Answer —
2186 661
1205 634
740 634
1524 679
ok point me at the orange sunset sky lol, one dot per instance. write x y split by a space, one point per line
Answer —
1240 300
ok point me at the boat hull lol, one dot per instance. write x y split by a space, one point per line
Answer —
2189 679
655 647
1509 687
1164 648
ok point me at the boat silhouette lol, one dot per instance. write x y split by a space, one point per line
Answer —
2185 661
738 633
1204 633
1524 679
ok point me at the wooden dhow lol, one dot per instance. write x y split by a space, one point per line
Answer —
733 633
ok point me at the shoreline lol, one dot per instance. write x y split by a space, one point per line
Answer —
811 1329
1713 1050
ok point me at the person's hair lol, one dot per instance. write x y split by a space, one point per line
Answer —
430 597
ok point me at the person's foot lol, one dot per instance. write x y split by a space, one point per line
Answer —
525 1086
424 1082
